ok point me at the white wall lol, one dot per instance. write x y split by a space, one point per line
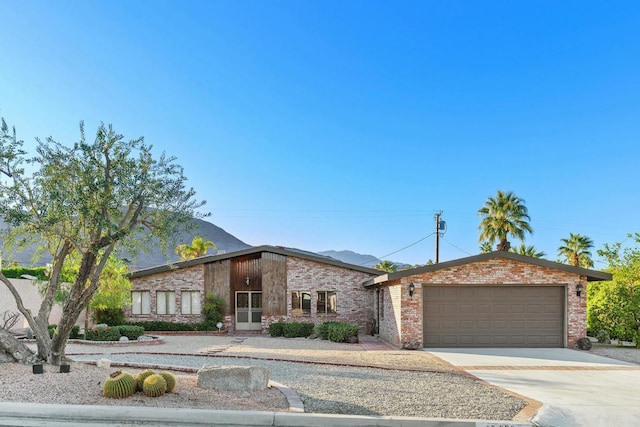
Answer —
31 300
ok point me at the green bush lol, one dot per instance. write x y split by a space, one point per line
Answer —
322 329
102 334
341 332
276 329
108 316
75 332
131 332
298 329
17 272
213 311
168 326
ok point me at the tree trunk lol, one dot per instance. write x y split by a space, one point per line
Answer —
504 245
13 350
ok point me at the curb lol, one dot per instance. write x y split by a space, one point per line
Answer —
30 414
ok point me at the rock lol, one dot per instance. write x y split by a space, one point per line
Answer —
312 337
103 363
123 338
353 339
410 345
233 378
584 344
145 338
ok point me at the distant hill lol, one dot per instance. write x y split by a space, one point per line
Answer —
224 241
359 259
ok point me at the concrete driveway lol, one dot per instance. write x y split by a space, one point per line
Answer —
576 388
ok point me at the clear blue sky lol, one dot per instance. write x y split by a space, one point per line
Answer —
347 124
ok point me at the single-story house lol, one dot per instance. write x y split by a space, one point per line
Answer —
499 299
259 285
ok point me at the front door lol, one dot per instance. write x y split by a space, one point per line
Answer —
248 311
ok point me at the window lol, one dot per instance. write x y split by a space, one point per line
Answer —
326 302
190 302
300 303
165 302
140 302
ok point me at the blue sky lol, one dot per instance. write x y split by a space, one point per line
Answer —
346 125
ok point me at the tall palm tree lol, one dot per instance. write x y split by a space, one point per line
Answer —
575 250
485 247
528 251
197 248
387 266
504 215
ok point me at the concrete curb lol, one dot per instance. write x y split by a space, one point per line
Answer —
33 414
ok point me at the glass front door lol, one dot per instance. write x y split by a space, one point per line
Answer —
248 311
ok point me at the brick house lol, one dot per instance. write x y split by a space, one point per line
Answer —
498 299
259 285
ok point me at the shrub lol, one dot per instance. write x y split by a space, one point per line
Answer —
341 332
322 329
168 326
102 334
131 332
109 316
276 329
298 329
75 332
213 311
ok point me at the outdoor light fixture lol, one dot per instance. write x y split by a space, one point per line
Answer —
579 290
246 281
412 288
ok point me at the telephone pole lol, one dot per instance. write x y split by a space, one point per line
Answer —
438 213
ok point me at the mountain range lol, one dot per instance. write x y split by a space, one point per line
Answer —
224 241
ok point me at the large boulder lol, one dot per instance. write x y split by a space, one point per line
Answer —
233 378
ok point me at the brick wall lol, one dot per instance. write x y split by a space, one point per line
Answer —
402 326
354 302
183 279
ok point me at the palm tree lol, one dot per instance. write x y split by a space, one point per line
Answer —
528 251
503 215
575 250
197 248
387 266
486 247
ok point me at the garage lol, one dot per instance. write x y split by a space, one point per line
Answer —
493 316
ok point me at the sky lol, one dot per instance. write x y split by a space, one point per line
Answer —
333 125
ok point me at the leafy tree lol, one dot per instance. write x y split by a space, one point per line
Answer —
575 250
503 215
86 199
615 306
387 266
197 248
528 251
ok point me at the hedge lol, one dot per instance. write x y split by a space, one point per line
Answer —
336 331
102 333
291 329
173 326
131 332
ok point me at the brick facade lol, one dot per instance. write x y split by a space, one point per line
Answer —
402 320
179 280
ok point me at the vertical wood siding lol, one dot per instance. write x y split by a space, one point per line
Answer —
241 269
274 284
216 280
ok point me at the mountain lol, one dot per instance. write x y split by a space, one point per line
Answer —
359 259
224 241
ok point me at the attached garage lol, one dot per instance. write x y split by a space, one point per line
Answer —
498 299
493 316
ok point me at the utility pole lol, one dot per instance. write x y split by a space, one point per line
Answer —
438 213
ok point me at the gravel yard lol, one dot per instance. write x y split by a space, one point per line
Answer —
362 379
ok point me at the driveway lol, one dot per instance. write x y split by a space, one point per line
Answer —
576 388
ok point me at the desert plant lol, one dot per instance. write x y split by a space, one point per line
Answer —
170 379
154 385
141 377
119 385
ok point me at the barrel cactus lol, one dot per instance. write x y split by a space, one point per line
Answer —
170 379
141 377
154 385
119 385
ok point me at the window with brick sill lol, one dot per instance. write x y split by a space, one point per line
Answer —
140 302
300 303
327 302
165 302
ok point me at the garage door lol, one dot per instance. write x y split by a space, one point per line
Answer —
493 316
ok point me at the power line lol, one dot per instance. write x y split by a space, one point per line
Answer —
458 248
406 247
